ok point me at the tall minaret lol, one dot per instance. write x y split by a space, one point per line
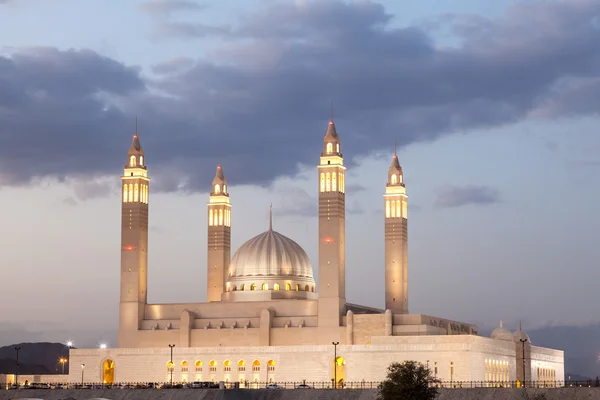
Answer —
219 237
134 244
332 231
396 240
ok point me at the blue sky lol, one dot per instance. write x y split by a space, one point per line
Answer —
494 106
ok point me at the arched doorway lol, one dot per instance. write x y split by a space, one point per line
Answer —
338 371
108 372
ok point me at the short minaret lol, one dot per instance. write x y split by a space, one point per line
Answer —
134 244
396 240
219 237
332 230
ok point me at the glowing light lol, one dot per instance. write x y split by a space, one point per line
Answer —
103 346
69 343
129 248
328 240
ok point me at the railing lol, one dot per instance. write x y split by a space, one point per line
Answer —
299 385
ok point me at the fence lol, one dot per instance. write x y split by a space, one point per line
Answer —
297 385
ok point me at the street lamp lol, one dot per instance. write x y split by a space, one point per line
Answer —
82 369
63 361
171 363
335 344
17 348
523 341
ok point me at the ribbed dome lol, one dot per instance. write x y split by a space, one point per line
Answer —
270 254
501 333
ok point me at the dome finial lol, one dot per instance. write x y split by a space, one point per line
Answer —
271 217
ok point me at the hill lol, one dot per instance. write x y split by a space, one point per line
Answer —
34 358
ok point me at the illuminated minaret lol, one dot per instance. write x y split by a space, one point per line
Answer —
332 230
219 237
134 242
396 240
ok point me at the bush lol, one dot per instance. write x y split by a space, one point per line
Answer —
409 380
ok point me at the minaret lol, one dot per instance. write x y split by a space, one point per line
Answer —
332 230
134 243
219 237
396 240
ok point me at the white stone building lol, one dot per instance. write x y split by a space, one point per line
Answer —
265 320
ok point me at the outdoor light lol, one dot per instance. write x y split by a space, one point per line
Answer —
69 344
103 346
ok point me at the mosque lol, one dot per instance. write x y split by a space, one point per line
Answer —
265 319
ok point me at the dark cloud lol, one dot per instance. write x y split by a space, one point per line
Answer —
457 196
261 97
169 6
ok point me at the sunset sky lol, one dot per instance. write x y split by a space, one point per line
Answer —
494 106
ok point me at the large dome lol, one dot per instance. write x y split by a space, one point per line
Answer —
270 254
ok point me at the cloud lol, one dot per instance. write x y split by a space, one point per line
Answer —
261 97
169 6
457 196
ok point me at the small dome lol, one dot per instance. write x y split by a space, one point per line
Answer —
271 254
518 335
502 333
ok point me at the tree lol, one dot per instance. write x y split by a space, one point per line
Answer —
409 380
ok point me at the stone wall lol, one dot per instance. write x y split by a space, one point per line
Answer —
216 394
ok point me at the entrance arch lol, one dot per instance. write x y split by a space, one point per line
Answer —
338 371
108 371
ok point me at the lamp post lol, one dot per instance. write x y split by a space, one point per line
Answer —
523 341
335 344
63 361
17 349
82 369
69 345
171 363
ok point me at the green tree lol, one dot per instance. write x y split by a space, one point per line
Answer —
409 380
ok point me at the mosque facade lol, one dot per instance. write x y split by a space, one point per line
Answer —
265 319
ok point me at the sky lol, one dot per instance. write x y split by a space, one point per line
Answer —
494 107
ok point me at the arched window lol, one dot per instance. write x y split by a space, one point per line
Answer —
221 217
241 366
216 218
132 161
327 182
184 366
198 366
307 288
170 366
276 286
243 287
387 209
255 366
131 193
298 288
141 161
265 286
288 286
225 189
270 366
337 147
227 366
125 193
393 209
394 179
404 209
213 366
398 215
253 286
322 182
400 178
333 182
329 148
136 193
217 188
210 217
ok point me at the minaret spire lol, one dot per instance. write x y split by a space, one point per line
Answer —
271 217
136 129
395 155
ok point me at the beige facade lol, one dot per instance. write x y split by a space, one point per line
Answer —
265 321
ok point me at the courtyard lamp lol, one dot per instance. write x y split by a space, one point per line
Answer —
63 360
17 349
523 341
171 363
335 344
